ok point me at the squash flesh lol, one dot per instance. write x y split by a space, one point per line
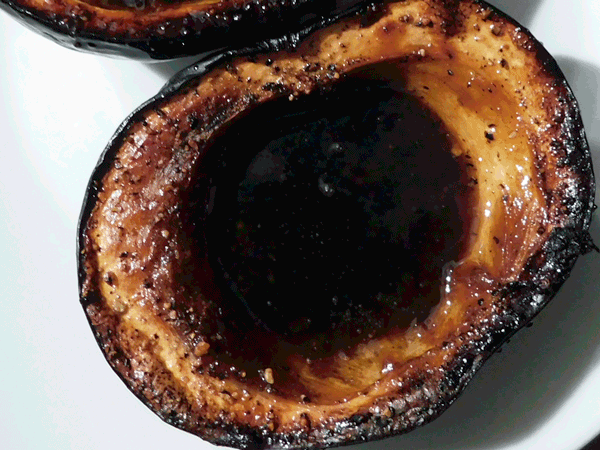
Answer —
488 87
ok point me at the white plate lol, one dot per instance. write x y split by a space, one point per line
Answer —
58 109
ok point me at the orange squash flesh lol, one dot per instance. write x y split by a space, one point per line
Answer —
161 316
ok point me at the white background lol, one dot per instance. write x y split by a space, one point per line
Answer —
58 109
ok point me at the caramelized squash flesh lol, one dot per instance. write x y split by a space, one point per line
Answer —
321 245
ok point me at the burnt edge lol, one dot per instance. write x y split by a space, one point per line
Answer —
521 301
192 34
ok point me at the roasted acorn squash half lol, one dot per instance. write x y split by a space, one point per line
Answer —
165 29
314 246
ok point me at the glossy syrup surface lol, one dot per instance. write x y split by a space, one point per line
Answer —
137 5
334 214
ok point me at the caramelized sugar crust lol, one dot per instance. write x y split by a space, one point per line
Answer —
165 29
206 362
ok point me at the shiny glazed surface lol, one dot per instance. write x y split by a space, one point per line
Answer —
142 6
160 30
149 287
338 219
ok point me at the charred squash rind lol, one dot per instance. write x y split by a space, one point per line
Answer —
173 31
411 394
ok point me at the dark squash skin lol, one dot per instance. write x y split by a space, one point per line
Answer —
156 307
167 30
